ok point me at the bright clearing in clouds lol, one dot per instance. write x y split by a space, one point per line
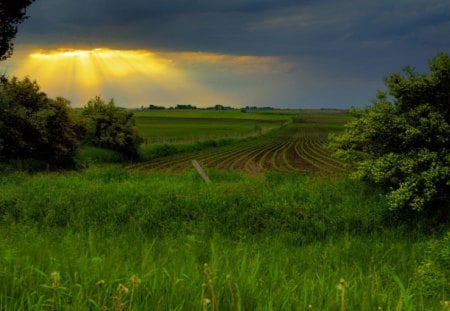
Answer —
141 77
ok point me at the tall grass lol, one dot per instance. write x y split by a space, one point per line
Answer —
274 242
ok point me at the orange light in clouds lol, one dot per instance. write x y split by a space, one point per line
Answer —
139 77
101 62
82 74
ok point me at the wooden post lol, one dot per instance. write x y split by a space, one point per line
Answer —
201 171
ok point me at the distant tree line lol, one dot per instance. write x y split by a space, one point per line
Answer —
192 107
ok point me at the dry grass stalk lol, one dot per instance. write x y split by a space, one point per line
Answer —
135 281
215 306
341 287
204 301
55 279
122 291
99 285
230 288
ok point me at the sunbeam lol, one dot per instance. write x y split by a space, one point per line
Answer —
141 77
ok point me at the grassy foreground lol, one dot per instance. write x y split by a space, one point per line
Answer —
106 237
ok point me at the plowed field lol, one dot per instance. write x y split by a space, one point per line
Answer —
295 147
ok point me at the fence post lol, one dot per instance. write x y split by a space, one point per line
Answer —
201 171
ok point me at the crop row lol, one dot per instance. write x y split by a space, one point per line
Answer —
293 149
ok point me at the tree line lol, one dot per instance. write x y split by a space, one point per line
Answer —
41 131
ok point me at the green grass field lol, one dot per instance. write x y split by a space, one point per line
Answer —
137 237
284 240
175 126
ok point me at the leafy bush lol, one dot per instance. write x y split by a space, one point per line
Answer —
111 127
34 128
402 141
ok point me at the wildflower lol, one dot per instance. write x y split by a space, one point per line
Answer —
135 281
206 301
100 283
122 290
55 277
341 284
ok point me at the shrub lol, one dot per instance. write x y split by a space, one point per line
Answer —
34 128
402 141
111 127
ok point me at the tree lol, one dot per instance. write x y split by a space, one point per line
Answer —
401 142
34 127
12 13
111 127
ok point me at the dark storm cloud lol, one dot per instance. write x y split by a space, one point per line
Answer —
275 27
344 43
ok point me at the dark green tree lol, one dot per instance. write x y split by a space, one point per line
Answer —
12 13
35 127
402 141
111 127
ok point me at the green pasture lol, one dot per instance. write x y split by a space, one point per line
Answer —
176 129
172 126
271 242
270 115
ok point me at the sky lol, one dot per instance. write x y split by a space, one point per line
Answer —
279 53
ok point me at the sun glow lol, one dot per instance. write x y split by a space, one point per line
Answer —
90 67
139 77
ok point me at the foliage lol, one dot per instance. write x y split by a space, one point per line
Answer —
175 127
402 141
12 13
433 273
34 127
154 107
182 107
111 127
285 241
89 155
